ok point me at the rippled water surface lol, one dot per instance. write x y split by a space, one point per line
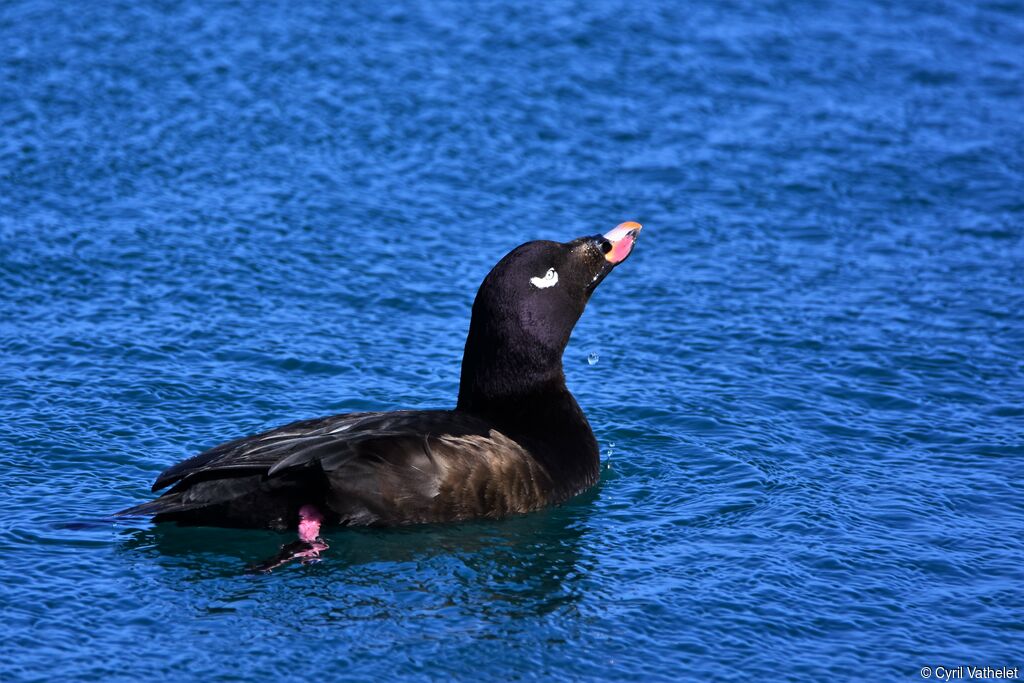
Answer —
807 382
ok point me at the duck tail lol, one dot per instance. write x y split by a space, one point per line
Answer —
167 503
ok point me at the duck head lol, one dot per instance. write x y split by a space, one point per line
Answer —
525 311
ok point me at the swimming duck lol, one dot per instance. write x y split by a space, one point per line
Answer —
515 442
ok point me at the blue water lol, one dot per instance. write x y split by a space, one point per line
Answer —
809 378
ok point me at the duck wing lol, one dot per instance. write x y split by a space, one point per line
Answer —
362 468
260 452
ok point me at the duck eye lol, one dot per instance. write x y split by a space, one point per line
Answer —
606 246
550 279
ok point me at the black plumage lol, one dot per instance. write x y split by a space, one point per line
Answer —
517 440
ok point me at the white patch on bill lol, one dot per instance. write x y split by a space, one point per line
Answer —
550 279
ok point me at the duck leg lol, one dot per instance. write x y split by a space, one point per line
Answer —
307 549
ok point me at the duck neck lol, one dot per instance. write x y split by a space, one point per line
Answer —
526 399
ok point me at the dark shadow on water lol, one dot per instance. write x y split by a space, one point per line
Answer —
529 563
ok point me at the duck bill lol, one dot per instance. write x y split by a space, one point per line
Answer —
622 238
615 246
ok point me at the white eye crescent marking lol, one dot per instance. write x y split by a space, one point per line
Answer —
550 279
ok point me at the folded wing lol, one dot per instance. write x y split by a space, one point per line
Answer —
361 469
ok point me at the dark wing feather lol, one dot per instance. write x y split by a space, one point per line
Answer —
262 451
448 474
369 468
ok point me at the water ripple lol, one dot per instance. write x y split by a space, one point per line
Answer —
214 220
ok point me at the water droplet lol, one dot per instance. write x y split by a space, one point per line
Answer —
593 358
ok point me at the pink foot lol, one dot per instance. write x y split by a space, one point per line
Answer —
307 549
310 520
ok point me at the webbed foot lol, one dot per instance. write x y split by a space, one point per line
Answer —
306 550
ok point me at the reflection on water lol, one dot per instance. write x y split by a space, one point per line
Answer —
524 565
